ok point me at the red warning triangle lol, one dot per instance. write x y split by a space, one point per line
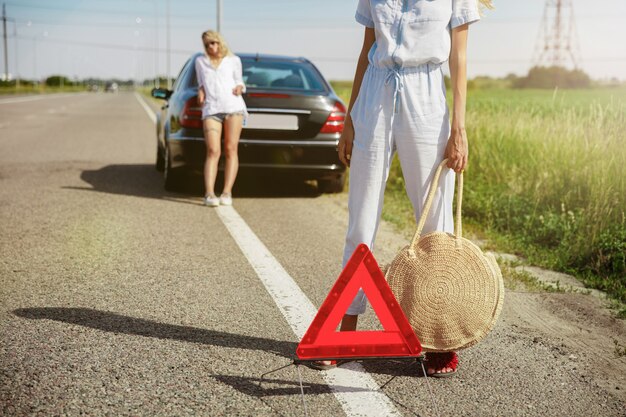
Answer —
322 341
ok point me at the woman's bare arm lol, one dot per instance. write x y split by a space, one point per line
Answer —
201 95
347 136
457 149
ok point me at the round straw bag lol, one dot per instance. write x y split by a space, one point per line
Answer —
449 290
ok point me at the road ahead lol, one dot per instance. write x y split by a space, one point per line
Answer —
118 298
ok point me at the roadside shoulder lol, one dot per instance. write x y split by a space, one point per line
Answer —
560 314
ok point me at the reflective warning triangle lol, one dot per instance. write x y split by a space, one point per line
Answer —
322 341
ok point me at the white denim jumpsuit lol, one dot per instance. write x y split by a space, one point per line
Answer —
401 107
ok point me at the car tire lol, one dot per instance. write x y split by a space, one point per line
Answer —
173 177
332 185
160 160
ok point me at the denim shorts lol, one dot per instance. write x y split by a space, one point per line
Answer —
220 117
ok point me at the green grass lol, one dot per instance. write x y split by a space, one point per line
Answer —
343 90
515 279
546 180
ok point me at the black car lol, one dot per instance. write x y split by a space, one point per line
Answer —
294 124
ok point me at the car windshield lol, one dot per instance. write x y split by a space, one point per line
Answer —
274 74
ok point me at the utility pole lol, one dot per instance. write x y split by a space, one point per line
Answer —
219 16
17 70
35 60
156 44
167 41
4 28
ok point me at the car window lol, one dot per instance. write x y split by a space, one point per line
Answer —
181 76
274 74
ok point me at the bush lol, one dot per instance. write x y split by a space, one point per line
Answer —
58 80
551 77
610 257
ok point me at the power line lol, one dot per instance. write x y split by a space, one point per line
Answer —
238 26
91 24
313 58
108 45
134 25
95 11
132 12
68 9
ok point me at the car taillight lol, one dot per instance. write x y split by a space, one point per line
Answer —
191 116
336 119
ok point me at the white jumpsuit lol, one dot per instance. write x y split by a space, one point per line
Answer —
401 107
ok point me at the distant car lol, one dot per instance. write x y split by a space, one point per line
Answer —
294 124
111 87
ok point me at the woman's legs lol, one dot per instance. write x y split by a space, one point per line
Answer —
232 131
421 137
369 169
421 134
212 139
348 323
420 153
419 157
372 153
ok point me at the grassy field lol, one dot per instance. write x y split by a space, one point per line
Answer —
546 180
40 89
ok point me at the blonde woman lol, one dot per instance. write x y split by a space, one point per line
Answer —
398 104
220 86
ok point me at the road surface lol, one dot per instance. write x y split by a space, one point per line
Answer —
119 298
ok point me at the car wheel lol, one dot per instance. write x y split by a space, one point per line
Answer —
332 185
172 177
160 160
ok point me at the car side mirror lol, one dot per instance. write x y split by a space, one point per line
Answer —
162 93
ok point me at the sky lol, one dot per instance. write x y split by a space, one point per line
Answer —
127 39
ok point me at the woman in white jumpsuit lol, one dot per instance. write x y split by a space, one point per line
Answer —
398 104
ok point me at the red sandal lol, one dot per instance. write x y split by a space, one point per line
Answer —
441 360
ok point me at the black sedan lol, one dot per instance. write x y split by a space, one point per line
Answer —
295 120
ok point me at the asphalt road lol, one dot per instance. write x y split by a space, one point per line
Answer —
118 298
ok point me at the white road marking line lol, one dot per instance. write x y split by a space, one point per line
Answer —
33 98
354 388
19 99
145 106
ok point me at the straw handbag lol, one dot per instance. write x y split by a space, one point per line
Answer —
449 290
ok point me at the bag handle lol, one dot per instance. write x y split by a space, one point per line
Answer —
428 203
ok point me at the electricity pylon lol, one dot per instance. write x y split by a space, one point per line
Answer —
557 43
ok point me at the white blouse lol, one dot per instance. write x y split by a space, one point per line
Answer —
219 83
413 32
